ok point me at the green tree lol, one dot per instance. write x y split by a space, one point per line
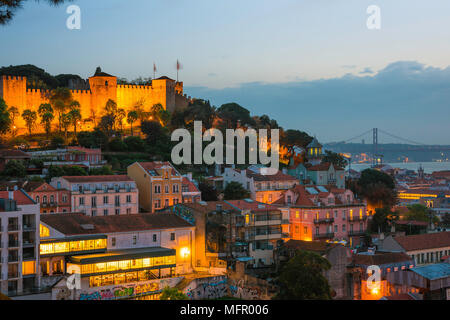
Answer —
15 169
235 191
65 122
61 99
378 188
111 111
57 142
5 117
301 278
334 158
172 294
382 220
134 144
132 117
13 115
234 114
75 118
30 118
47 119
117 145
209 193
419 212
8 8
121 115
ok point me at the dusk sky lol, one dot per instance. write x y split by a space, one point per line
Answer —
312 65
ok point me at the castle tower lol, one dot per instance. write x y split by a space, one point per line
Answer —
165 87
14 91
103 87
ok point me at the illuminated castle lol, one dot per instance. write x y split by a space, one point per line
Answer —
96 92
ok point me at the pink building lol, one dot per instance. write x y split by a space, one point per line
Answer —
100 195
324 213
51 200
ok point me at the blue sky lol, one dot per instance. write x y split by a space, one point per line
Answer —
311 64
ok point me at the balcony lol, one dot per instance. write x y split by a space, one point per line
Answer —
13 243
356 233
324 221
328 235
49 204
13 227
29 227
357 219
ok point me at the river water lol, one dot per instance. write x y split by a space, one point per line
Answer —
428 167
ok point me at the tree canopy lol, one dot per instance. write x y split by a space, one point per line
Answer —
302 278
235 191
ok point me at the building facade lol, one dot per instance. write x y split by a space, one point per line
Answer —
100 195
50 199
318 213
19 236
159 184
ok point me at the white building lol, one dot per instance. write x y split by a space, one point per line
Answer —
19 255
101 195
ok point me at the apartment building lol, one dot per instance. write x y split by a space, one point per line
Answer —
115 257
100 195
19 243
51 200
159 184
423 248
189 191
263 187
324 213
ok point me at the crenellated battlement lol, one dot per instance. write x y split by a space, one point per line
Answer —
132 86
81 92
14 78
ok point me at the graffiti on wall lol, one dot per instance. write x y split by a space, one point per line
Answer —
207 288
128 291
238 289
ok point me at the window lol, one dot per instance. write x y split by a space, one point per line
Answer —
113 242
166 189
134 240
117 212
117 201
94 202
37 199
105 212
44 199
81 201
343 228
289 199
172 236
129 199
94 213
343 215
128 210
157 189
335 228
166 202
158 204
175 188
64 199
305 230
317 230
336 215
52 199
105 199
154 238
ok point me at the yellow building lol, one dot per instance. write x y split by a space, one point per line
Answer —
102 87
159 184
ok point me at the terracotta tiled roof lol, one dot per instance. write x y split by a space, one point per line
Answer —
324 167
12 154
110 178
18 195
279 176
253 205
381 258
424 241
30 186
191 186
316 246
72 224
155 165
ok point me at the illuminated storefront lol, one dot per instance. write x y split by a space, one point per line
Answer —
71 245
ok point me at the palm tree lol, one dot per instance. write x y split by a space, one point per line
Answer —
74 117
60 99
46 120
111 110
13 115
121 114
30 118
65 123
131 118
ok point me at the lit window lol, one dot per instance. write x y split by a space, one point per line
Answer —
44 231
28 267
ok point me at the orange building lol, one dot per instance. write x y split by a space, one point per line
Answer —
159 184
101 87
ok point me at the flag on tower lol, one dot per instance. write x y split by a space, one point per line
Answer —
179 66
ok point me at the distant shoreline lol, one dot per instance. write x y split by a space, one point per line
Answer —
429 167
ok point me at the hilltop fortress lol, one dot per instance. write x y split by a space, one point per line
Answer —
94 94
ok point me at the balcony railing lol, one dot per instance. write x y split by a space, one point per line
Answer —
324 220
13 243
13 227
356 219
29 227
328 235
49 204
356 233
